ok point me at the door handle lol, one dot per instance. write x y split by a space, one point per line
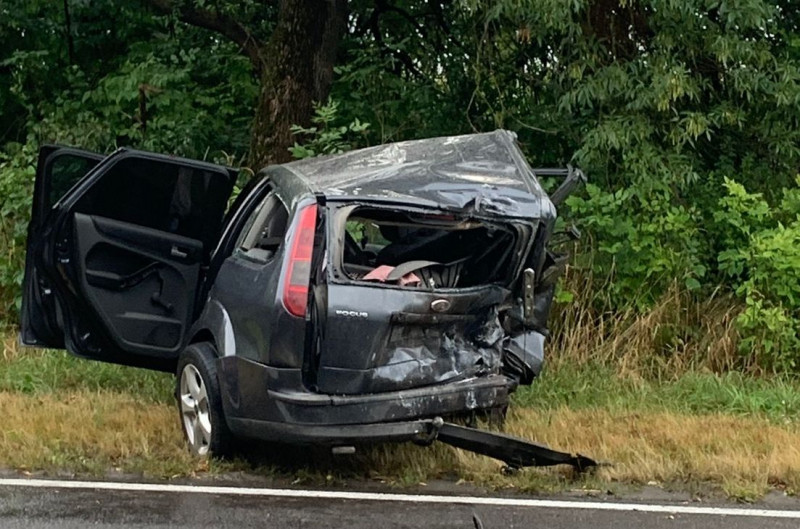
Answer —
178 253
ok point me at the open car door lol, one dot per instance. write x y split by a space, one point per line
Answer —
58 169
114 265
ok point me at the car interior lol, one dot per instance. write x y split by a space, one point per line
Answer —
426 251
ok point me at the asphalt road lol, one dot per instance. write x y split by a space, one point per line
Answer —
44 507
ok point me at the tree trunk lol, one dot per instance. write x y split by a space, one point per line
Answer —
297 70
68 33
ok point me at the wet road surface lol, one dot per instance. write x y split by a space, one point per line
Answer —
46 507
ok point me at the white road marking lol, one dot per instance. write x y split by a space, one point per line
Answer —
407 498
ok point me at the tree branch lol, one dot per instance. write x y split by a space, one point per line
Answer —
222 24
374 22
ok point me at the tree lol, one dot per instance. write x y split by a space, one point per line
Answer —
294 63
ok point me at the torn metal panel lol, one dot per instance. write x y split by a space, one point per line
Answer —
394 340
480 172
523 356
453 355
414 297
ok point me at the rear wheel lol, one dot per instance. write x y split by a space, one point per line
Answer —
200 403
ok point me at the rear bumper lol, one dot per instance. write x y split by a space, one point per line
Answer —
346 434
392 416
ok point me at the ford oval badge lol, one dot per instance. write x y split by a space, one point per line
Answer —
440 305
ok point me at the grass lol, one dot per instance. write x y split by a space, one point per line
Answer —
91 432
732 432
742 456
36 372
594 386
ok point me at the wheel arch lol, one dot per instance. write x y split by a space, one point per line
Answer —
204 335
214 326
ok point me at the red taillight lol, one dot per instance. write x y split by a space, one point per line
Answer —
298 271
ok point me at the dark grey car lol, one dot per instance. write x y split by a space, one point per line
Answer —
340 300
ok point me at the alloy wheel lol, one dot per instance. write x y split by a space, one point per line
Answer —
195 410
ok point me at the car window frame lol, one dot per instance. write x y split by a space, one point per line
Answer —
44 186
248 224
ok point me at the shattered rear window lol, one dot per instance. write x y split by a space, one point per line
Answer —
427 251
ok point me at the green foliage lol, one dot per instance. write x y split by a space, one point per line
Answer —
644 255
17 171
659 102
762 259
141 81
326 137
167 102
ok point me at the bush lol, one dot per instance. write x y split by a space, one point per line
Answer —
643 242
326 136
17 174
762 260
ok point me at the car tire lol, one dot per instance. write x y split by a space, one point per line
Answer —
200 402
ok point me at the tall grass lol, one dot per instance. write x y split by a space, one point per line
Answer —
680 333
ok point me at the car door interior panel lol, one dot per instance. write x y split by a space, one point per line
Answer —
139 280
117 257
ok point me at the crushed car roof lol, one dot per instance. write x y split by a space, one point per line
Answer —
486 172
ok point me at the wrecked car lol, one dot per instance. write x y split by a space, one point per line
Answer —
344 299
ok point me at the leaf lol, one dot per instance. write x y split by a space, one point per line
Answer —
692 283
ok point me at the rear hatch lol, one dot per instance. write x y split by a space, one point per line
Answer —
409 297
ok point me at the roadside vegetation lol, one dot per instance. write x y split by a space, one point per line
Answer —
675 348
698 432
